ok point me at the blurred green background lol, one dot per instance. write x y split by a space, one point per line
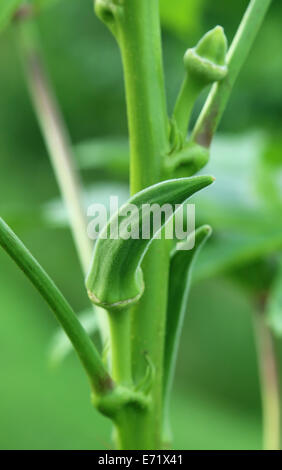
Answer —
216 401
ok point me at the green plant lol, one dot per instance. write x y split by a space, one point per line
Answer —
135 280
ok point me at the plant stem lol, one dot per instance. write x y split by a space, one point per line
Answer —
55 136
139 39
140 42
213 110
100 380
269 383
120 330
189 91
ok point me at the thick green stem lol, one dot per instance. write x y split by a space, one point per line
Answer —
217 100
55 136
120 331
148 334
99 378
132 429
139 39
269 384
138 33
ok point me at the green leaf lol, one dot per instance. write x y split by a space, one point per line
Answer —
181 266
115 279
269 173
108 156
246 219
53 213
230 250
274 304
61 346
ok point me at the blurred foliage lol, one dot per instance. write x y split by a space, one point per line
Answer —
274 304
111 157
246 220
216 403
182 18
60 345
7 10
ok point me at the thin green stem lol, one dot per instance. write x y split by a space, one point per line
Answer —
55 136
99 378
269 384
217 100
188 94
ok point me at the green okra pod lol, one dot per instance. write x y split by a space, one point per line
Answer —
115 278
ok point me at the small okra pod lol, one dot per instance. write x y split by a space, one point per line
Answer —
204 65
